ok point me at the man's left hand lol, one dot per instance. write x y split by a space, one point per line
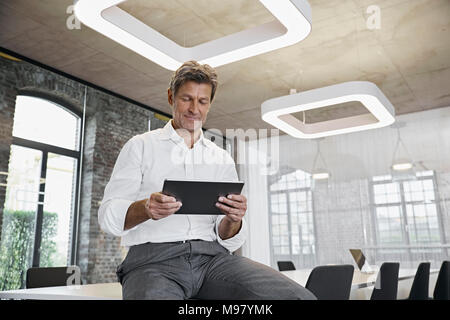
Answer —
233 206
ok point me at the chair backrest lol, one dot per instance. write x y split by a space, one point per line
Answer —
419 288
285 265
388 280
52 276
442 288
332 282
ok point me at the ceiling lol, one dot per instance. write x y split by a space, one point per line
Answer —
408 57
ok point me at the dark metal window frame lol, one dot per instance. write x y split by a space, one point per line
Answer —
46 149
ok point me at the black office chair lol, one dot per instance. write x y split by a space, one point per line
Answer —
52 276
331 282
285 265
442 287
388 278
419 288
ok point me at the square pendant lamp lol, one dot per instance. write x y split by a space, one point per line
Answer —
278 111
292 24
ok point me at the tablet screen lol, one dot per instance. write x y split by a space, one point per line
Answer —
200 197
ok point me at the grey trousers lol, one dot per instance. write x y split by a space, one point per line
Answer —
201 270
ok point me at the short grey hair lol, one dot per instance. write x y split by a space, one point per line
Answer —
194 71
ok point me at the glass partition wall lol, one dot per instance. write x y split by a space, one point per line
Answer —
60 139
364 201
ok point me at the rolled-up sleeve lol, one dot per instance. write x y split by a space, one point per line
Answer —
229 173
235 242
122 189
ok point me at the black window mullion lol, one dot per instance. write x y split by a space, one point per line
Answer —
74 238
46 147
40 212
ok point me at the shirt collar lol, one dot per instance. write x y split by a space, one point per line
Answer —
168 132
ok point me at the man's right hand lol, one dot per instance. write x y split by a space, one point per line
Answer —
159 206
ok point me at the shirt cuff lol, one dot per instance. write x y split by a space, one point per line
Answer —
235 242
112 216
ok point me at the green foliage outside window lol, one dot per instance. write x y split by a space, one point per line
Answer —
16 246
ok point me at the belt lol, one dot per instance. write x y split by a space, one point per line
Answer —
184 241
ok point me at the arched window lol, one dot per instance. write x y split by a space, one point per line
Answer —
41 120
39 220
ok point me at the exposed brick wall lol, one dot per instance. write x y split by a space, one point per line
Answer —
110 122
7 102
115 122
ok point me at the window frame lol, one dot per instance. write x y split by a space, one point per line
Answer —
46 149
286 192
405 224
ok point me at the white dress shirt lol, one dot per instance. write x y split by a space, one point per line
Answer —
141 167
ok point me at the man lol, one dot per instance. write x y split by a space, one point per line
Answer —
174 256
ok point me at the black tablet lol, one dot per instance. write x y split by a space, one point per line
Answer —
200 197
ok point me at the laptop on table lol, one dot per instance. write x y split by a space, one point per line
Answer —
361 261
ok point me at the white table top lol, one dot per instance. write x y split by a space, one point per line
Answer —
98 291
113 291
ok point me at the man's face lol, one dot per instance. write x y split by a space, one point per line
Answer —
190 105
